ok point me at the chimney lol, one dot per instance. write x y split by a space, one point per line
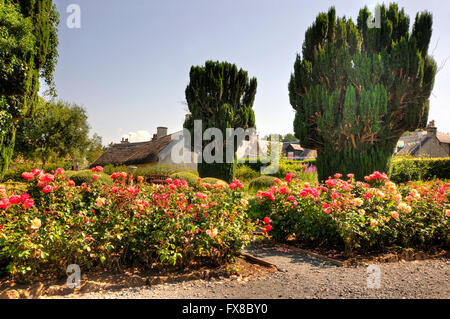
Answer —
162 131
431 129
155 137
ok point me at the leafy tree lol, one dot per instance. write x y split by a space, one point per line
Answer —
290 138
95 148
273 136
56 130
222 97
28 51
356 89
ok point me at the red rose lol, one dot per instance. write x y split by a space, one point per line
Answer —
289 177
47 189
28 176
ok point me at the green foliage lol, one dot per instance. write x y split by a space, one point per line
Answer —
261 182
110 169
56 130
290 138
224 171
146 171
15 187
356 90
52 167
95 148
190 178
17 45
354 216
254 165
415 169
222 97
86 176
244 173
28 52
118 227
158 170
15 172
249 170
214 181
297 168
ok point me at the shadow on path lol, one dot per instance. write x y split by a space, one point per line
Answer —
285 258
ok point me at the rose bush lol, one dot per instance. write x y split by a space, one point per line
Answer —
127 223
350 214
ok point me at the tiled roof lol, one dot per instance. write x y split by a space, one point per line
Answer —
443 138
133 153
413 148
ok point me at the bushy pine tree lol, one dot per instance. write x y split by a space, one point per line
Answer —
222 97
28 52
356 89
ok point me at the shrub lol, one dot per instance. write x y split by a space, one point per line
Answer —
245 173
357 215
15 187
190 178
111 169
15 173
214 181
413 169
261 182
86 176
118 225
156 170
255 165
304 170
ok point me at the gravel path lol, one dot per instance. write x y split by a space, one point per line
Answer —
302 276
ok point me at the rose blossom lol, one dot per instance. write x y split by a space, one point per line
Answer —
47 189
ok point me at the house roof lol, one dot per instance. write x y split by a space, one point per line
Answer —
133 153
411 149
307 153
295 147
443 138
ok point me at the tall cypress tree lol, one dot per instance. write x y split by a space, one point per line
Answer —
356 89
222 97
28 52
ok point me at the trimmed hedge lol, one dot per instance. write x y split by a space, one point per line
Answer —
415 169
262 182
245 173
402 170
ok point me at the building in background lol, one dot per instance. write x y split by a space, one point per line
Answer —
428 143
159 150
294 151
146 154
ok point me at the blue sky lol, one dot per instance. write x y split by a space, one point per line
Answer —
128 64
